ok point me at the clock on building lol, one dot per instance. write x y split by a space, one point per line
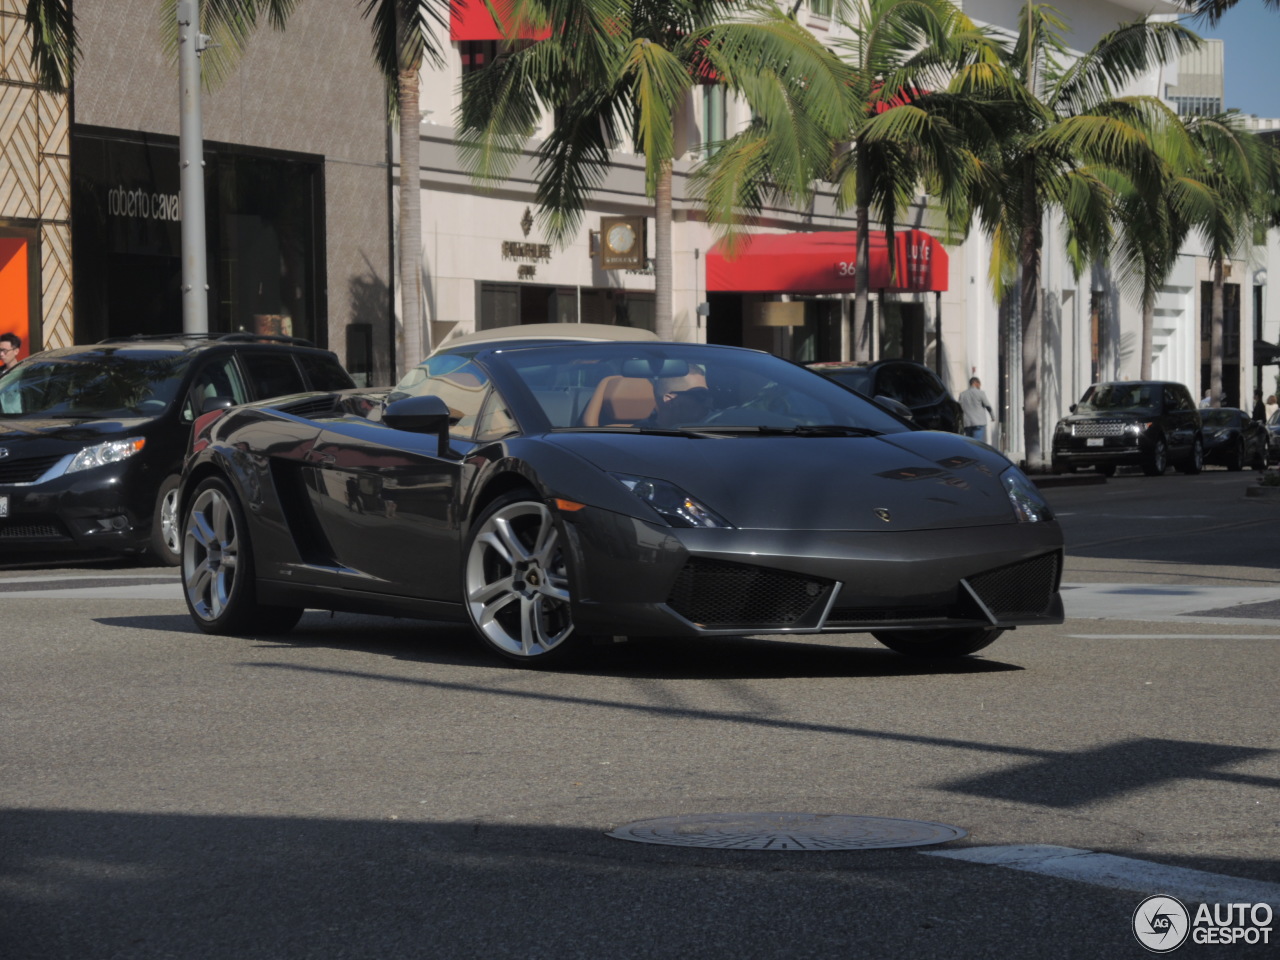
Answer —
622 243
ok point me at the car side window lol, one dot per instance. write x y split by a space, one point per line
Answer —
496 422
272 374
324 372
217 378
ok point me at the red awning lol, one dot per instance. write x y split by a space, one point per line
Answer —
824 263
471 20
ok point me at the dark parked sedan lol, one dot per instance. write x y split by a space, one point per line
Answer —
1144 423
912 384
554 493
1233 439
92 437
1273 439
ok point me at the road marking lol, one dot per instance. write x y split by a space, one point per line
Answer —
1119 873
1159 601
1173 636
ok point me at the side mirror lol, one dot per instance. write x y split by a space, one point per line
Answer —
216 403
420 415
896 407
1072 408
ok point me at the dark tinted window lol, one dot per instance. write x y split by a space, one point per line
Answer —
1122 398
912 385
855 378
95 385
217 378
1220 417
325 373
272 374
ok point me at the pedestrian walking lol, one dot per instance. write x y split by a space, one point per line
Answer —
1259 408
977 410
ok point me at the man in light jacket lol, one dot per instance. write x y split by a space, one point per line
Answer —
977 410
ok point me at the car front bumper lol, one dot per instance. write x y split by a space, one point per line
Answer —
638 579
106 509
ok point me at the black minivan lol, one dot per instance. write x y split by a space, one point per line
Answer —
92 438
1146 423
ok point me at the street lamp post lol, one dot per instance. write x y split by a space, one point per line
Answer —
195 280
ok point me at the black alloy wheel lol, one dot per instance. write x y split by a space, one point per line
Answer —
1155 463
517 582
937 644
217 567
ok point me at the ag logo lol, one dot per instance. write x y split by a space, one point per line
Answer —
1161 924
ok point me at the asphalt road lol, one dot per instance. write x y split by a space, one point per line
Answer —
370 788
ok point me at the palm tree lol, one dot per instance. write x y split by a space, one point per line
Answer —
403 38
1213 10
1153 225
615 68
1063 130
54 51
1241 169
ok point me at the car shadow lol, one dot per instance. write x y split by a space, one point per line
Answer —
733 657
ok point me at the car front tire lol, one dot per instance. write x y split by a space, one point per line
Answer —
937 644
217 567
516 582
1155 463
1195 461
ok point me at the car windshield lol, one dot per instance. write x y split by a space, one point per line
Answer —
1218 418
855 378
688 388
1121 398
101 385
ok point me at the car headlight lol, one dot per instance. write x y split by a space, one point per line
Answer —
1028 505
1062 427
1139 427
101 454
673 504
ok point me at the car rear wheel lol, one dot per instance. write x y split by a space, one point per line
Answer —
937 644
217 567
517 582
166 525
1155 463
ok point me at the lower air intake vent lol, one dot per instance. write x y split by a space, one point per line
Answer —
1019 590
713 593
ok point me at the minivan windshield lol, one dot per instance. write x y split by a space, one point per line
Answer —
1121 398
100 385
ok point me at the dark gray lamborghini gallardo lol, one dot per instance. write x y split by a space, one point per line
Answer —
555 492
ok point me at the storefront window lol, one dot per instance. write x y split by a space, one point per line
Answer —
265 254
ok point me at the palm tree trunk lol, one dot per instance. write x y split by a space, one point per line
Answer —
1030 304
413 345
1215 335
1148 326
664 319
862 262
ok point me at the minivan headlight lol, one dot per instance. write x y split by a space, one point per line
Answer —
100 454
1028 504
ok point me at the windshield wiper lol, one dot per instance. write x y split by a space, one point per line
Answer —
799 430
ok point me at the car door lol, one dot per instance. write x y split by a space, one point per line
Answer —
387 500
1180 418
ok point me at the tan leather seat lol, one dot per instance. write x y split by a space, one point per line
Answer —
619 400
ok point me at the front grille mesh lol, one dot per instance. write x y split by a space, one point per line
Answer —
26 469
1019 590
714 593
29 531
1098 428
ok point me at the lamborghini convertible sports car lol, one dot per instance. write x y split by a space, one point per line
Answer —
552 493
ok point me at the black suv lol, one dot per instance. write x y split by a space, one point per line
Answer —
1146 423
92 438
910 383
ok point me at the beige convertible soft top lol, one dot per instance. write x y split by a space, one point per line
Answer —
549 331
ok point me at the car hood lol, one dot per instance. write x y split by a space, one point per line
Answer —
50 434
922 480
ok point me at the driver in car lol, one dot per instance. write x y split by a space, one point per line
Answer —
681 400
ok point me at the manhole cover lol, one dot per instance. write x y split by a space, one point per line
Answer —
787 831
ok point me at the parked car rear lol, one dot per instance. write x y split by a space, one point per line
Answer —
910 383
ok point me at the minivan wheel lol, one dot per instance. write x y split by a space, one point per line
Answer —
166 525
